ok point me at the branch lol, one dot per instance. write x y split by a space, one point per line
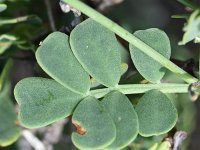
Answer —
50 15
131 39
190 4
142 88
33 140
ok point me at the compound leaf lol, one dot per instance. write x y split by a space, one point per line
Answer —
191 29
95 128
9 130
125 118
156 113
43 101
98 51
56 58
147 67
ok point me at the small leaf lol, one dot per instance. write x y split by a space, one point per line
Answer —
56 58
156 113
43 101
3 7
95 128
9 130
98 51
124 68
191 29
147 67
125 118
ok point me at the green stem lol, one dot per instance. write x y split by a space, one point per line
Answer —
190 4
142 88
4 73
14 20
131 39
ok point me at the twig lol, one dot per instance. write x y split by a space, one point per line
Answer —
53 133
142 88
33 140
178 139
50 15
107 3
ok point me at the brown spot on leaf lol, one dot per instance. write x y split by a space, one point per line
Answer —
17 122
79 129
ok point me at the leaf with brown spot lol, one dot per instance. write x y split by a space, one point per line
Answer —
43 101
79 129
91 116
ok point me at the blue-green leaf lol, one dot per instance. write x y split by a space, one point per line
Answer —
98 51
150 69
9 130
95 128
43 101
125 118
191 29
156 113
56 59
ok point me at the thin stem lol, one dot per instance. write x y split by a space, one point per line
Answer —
131 39
199 64
142 88
33 140
190 4
14 20
4 73
50 15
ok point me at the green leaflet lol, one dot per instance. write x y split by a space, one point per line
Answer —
94 83
56 58
43 101
187 113
3 7
9 130
156 113
98 51
191 29
149 68
96 128
125 118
